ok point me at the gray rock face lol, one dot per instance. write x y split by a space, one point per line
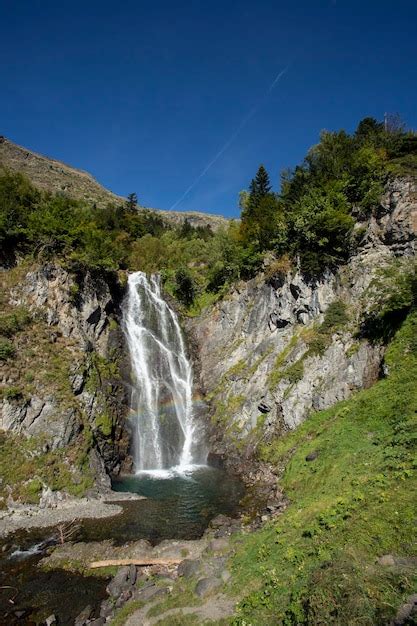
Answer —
79 311
77 308
253 346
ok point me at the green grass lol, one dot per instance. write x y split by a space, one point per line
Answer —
24 468
126 611
317 562
14 321
182 597
7 350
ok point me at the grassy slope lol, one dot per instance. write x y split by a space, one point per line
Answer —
317 563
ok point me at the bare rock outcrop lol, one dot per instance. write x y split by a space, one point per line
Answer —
264 360
73 355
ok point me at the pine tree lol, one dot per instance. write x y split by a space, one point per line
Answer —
132 203
258 209
260 186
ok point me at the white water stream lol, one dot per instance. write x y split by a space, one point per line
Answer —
162 404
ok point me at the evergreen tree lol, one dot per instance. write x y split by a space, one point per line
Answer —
132 203
260 187
258 210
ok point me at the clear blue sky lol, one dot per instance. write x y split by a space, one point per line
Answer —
145 94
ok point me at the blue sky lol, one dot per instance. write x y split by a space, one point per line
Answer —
145 94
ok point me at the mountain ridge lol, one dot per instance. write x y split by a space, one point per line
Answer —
50 174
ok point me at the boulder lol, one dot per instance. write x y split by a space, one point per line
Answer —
119 583
206 585
189 568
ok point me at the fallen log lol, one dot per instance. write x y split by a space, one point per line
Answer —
137 561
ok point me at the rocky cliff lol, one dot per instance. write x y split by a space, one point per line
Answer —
280 346
62 388
274 350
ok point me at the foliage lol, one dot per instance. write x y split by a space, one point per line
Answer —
25 468
11 323
309 222
392 294
184 286
335 317
341 179
6 349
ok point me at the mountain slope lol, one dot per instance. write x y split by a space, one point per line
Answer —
52 175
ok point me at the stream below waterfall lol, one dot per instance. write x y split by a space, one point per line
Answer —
177 506
169 453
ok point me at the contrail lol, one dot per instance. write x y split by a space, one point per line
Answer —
231 139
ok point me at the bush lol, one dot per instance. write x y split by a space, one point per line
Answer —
392 295
11 393
7 350
11 323
335 317
294 372
278 268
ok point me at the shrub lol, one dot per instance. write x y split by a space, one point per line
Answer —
318 344
11 393
294 372
335 316
393 294
6 349
278 268
11 323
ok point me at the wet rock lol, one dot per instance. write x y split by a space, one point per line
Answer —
206 585
312 456
100 621
189 568
220 520
83 618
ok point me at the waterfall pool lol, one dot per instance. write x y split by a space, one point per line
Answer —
178 505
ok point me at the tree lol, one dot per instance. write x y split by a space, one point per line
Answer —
259 211
368 130
186 230
184 286
132 203
259 187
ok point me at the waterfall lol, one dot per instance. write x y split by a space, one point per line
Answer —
161 402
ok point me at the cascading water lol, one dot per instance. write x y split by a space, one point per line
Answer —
165 435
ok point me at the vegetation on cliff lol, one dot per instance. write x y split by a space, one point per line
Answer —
309 221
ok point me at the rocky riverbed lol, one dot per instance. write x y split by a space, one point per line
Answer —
59 509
